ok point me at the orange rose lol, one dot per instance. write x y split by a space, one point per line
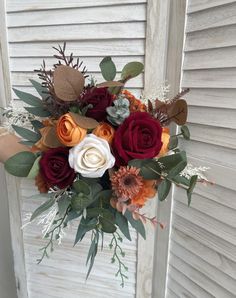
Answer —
165 138
68 132
135 104
104 131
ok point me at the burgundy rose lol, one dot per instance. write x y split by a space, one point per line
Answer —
55 168
100 99
138 137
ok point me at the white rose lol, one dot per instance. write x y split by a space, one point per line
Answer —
91 157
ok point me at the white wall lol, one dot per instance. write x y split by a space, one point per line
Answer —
7 278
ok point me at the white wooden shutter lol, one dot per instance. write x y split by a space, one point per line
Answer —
92 30
202 259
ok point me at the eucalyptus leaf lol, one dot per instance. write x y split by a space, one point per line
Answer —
42 91
122 223
164 189
136 224
173 142
37 125
108 69
131 70
85 226
20 164
28 98
81 187
193 182
27 143
63 204
26 134
80 201
172 160
44 207
35 169
185 132
106 225
177 169
38 111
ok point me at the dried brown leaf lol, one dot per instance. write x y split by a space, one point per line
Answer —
178 112
110 84
84 122
68 83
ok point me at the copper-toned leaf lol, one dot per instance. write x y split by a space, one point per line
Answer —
110 84
150 106
68 83
84 122
50 138
178 112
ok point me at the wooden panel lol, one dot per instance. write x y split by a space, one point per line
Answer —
215 98
198 5
221 137
211 38
102 14
215 17
188 284
204 237
212 78
178 289
92 48
24 5
203 274
207 254
213 58
91 63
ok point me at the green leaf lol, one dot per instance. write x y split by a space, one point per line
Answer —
108 69
177 169
42 91
92 253
122 223
63 205
185 132
136 224
85 226
173 142
181 180
149 168
81 187
163 189
38 111
193 182
27 143
170 161
28 98
100 212
35 169
104 196
27 134
20 164
37 125
44 207
80 201
107 225
131 70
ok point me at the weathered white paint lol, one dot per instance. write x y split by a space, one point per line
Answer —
202 259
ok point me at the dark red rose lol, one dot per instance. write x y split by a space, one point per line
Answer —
100 99
55 168
138 137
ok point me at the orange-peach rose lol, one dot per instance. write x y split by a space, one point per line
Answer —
104 131
68 132
165 138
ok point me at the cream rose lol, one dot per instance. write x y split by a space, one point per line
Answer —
91 157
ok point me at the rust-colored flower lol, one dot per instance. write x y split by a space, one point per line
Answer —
104 131
41 184
135 104
146 192
126 182
68 132
165 138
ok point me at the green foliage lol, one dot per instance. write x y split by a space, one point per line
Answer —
27 134
185 132
63 204
108 69
136 224
28 98
37 125
170 161
81 187
92 251
42 91
193 182
81 201
177 169
149 168
105 218
122 223
44 207
131 70
35 169
173 142
20 164
85 225
38 111
164 189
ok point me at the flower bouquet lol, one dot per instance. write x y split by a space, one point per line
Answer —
96 152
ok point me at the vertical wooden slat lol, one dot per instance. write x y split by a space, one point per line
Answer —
11 183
